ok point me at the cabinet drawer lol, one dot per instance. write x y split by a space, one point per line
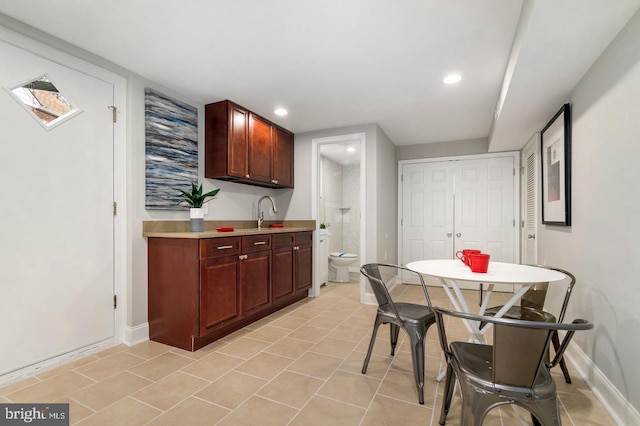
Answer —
217 247
304 238
252 243
284 240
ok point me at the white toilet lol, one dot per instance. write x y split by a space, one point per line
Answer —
339 266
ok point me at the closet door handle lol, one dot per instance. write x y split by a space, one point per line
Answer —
449 234
458 235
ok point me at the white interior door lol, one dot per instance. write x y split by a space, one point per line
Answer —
427 206
530 204
484 213
56 221
484 209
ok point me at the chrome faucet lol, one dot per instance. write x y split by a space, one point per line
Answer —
261 214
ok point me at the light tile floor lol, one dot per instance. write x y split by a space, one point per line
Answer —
299 366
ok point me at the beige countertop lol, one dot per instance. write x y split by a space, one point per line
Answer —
180 228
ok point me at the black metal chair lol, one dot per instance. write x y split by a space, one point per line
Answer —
531 308
511 371
414 319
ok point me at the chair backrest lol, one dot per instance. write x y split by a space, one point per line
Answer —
381 275
536 295
519 347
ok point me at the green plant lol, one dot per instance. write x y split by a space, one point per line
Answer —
196 198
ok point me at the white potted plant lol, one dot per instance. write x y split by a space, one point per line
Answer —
196 199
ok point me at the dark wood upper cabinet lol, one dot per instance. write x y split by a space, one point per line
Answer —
260 149
226 147
241 146
283 157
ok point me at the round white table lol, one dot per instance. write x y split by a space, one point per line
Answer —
450 271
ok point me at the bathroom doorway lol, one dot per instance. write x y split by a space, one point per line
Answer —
339 194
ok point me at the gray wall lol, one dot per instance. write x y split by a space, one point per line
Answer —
443 149
385 178
381 192
600 247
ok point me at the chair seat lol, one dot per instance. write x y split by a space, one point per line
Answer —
410 313
523 313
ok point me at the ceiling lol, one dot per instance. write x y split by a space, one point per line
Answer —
346 153
337 63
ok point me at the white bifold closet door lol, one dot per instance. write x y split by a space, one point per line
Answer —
451 205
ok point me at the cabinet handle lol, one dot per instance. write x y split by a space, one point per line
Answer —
274 181
224 247
243 256
449 234
259 243
247 176
458 235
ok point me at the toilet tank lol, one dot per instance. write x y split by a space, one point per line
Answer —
324 238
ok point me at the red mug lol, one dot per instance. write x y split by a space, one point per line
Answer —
464 254
479 262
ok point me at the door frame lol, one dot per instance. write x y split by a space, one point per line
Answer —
515 155
30 40
315 181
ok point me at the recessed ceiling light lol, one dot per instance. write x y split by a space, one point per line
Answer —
351 149
452 79
281 111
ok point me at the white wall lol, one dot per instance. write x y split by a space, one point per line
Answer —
351 217
600 247
332 180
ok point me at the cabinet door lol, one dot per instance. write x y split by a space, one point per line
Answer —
219 292
238 147
255 278
282 158
303 269
260 150
282 276
226 140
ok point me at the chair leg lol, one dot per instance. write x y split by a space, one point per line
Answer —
371 343
394 332
534 421
447 396
417 353
563 365
546 412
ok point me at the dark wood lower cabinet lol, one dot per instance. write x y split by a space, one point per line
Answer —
282 276
219 291
202 289
255 280
303 262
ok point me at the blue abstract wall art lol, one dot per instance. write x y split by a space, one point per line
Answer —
171 150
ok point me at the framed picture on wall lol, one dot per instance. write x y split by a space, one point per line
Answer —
556 169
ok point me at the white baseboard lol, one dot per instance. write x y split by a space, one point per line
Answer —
610 397
137 334
54 362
